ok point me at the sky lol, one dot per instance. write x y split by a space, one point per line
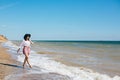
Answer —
60 19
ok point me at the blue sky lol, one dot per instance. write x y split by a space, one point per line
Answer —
60 19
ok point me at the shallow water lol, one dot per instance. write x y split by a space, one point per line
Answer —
42 76
73 59
103 57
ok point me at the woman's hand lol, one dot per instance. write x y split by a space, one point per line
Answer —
18 50
31 42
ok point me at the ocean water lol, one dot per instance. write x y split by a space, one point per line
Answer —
79 60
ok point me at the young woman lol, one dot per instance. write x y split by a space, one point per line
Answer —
26 48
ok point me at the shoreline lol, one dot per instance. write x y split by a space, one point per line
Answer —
18 71
11 69
7 64
109 72
98 68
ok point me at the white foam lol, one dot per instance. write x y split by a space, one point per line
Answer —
49 65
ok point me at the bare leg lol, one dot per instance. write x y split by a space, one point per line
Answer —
29 63
27 59
24 62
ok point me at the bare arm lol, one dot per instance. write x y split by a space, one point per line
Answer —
31 42
18 50
20 46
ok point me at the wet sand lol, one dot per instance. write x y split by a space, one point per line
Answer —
43 76
7 64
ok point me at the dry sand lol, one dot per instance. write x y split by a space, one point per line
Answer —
7 64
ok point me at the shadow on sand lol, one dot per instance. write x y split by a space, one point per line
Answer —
11 65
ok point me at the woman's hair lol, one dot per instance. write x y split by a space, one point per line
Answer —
27 35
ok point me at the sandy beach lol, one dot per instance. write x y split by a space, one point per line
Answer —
10 69
8 66
6 63
44 67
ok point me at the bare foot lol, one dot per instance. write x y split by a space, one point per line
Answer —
23 66
30 66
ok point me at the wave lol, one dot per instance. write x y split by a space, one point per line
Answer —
49 65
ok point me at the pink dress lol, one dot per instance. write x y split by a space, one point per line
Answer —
26 47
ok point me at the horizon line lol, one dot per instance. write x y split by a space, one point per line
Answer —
67 40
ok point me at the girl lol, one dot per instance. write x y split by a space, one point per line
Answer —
26 48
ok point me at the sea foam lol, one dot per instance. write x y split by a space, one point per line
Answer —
47 64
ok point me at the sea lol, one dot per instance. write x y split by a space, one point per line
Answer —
77 60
